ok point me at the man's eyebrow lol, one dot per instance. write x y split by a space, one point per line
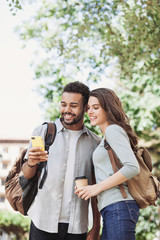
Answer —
74 103
70 102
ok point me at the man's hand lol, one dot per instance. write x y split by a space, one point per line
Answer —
93 234
36 155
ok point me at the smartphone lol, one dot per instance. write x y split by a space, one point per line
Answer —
37 141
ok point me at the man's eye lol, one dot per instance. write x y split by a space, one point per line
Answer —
73 106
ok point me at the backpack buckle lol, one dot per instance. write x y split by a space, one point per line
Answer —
106 145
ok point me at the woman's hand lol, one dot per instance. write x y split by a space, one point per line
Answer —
88 191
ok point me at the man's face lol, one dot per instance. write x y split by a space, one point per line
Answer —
72 109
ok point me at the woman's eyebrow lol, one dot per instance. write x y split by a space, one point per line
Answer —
96 104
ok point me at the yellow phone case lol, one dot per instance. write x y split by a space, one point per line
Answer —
37 141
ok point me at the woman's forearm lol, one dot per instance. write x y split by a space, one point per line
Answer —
112 181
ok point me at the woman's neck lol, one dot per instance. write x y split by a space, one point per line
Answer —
103 127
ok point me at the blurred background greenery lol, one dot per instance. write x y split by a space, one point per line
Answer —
97 41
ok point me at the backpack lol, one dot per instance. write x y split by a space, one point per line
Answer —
19 191
144 188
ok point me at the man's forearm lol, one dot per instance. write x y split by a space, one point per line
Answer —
96 213
28 171
94 233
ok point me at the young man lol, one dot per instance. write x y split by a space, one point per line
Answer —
57 213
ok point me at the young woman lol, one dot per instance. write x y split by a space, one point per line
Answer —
120 215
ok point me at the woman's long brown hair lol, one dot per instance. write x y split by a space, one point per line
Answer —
112 105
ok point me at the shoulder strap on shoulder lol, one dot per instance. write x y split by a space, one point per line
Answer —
49 139
50 135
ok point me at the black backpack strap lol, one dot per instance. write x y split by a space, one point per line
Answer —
50 135
49 139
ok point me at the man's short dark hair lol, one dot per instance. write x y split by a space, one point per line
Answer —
78 87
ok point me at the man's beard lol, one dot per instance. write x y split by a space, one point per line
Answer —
75 120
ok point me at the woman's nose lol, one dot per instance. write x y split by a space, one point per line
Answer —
89 111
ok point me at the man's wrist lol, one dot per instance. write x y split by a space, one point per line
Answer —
30 166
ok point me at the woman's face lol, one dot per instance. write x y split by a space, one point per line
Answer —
96 113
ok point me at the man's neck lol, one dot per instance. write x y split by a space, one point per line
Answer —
74 127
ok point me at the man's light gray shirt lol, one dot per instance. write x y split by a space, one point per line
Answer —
45 209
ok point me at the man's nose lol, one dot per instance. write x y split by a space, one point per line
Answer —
67 109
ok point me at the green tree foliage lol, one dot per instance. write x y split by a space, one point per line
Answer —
140 66
14 223
14 5
149 223
80 39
